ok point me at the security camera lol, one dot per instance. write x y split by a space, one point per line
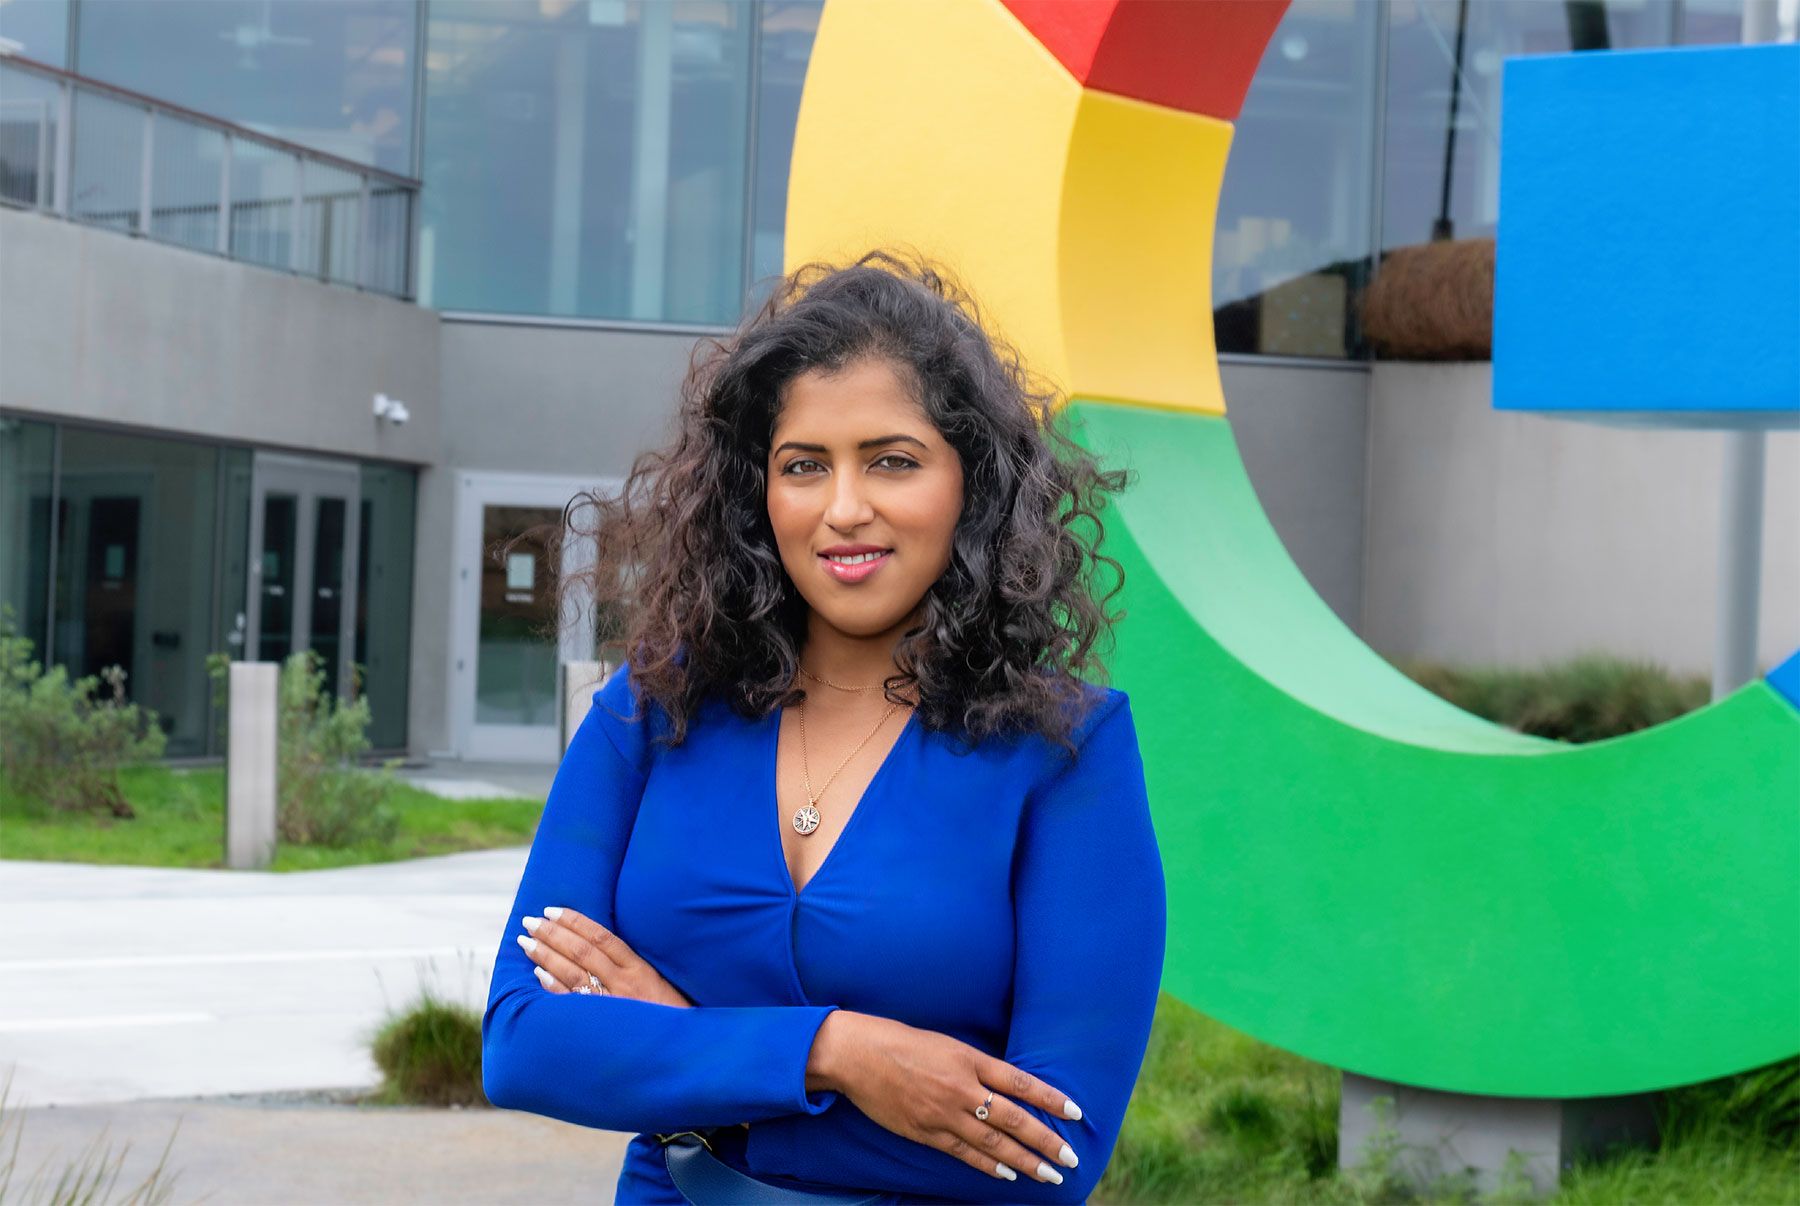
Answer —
391 409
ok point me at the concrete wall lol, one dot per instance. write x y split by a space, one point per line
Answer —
564 401
1302 431
1509 539
97 325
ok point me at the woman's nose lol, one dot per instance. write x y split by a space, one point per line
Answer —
849 506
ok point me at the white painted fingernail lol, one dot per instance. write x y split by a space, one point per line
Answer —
530 944
1046 1173
1009 1174
1070 1109
1067 1156
532 923
553 912
543 977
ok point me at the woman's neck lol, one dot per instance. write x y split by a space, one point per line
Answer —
850 661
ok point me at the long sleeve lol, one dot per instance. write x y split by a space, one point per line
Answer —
1090 917
602 1061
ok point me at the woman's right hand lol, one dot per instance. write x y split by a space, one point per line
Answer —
926 1086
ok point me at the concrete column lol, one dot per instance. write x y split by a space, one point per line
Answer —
578 682
1428 1135
250 761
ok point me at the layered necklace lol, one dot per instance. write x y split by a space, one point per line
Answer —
806 818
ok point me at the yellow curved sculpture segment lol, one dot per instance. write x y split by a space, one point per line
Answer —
1032 189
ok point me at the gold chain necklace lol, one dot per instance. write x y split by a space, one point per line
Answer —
839 686
806 818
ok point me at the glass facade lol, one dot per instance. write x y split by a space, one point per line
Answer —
594 159
384 595
1295 225
1374 126
132 550
1441 150
336 77
41 27
788 29
135 559
27 469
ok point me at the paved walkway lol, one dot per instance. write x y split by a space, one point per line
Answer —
256 1153
128 992
457 780
119 983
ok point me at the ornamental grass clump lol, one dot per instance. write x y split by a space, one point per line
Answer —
1585 699
61 742
430 1055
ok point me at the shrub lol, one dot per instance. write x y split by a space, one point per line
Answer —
430 1055
323 797
1586 699
61 742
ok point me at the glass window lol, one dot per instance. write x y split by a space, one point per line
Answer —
1442 176
586 159
1710 22
1295 228
27 451
335 77
30 107
41 27
788 29
135 571
384 598
515 660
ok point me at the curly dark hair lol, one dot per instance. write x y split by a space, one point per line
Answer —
686 561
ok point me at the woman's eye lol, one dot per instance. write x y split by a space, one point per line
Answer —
894 460
801 465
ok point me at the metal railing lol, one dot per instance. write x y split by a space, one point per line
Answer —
105 156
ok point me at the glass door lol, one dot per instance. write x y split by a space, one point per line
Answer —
507 646
303 562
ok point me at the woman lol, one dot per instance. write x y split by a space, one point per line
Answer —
848 879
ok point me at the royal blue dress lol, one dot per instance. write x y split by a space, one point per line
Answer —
1009 897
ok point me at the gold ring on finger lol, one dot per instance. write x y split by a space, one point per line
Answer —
981 1111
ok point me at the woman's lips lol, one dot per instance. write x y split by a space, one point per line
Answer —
863 564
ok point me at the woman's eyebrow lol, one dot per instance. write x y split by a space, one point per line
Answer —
897 438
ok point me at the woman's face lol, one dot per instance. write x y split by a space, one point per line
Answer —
863 495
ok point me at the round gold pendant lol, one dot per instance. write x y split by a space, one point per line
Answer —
806 820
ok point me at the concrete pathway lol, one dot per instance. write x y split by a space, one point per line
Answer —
128 993
118 983
457 780
262 1153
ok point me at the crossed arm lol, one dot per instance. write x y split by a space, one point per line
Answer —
831 1095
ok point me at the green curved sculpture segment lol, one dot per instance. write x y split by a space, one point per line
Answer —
1366 875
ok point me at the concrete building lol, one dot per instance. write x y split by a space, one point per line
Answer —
304 307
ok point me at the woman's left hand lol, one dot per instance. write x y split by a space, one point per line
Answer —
568 948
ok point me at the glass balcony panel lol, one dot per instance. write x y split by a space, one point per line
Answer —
109 162
262 204
29 108
184 183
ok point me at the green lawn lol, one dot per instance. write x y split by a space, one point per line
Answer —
180 823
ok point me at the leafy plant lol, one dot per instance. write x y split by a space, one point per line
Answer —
62 742
326 799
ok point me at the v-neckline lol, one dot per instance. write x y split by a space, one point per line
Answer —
772 777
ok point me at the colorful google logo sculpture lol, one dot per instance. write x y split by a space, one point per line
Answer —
1357 871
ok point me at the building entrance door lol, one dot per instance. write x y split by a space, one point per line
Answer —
508 638
303 542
